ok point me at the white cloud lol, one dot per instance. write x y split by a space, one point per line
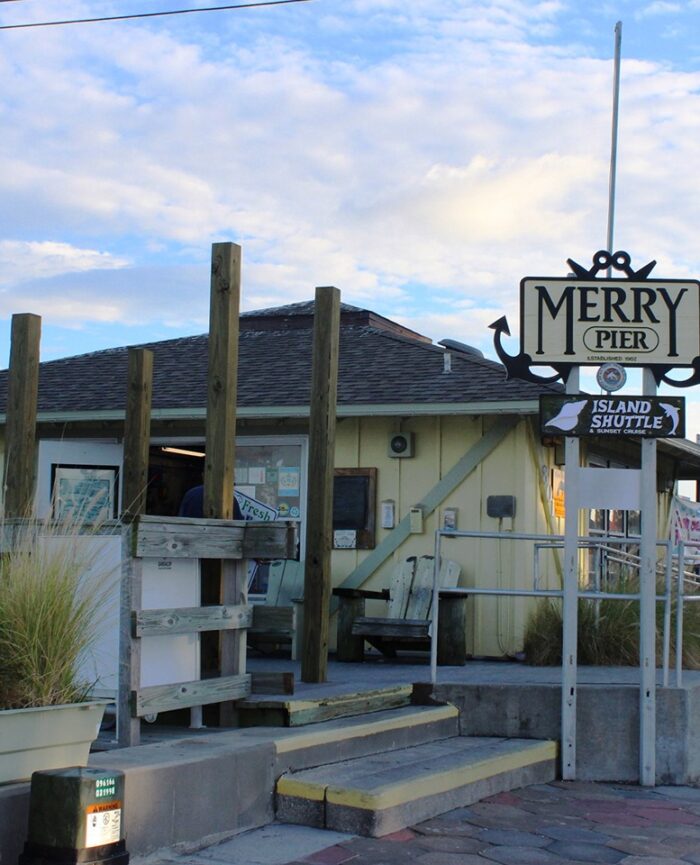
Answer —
24 260
657 8
404 152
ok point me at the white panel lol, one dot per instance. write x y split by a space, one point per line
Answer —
168 659
100 666
610 488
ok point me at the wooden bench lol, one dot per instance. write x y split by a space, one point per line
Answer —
408 624
276 622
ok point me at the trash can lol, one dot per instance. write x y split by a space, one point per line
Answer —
76 816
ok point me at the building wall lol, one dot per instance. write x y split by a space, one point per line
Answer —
513 468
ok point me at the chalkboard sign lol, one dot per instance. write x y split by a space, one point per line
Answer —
354 505
350 502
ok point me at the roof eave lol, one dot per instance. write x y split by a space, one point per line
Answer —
524 407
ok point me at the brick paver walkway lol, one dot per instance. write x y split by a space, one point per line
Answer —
547 824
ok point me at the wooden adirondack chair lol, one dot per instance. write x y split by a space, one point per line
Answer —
276 621
407 625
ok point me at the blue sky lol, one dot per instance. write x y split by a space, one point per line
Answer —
422 156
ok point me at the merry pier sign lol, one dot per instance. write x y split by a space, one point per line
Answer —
599 320
585 319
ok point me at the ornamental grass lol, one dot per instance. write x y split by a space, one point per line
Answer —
54 591
608 632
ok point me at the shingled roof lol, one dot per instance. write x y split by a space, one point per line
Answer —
381 363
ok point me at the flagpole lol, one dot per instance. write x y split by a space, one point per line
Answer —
613 145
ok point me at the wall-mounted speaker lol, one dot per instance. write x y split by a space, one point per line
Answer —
401 445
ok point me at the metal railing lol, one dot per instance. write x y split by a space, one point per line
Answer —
671 567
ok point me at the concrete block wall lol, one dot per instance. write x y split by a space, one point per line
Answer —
607 725
175 793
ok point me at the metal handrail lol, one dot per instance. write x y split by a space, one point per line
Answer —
554 542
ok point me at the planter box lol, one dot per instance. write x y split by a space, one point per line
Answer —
47 737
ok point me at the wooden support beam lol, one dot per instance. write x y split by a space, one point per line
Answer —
20 425
319 512
185 695
189 620
129 726
222 383
137 431
222 380
190 538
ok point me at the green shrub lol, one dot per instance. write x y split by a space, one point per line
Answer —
49 618
608 632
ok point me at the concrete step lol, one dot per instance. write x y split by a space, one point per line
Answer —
259 711
359 736
385 792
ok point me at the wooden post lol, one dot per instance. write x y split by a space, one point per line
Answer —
319 512
20 424
222 380
230 578
350 647
137 431
129 726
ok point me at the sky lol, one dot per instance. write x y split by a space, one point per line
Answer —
421 156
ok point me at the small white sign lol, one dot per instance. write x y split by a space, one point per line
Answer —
256 475
345 539
388 514
610 489
103 824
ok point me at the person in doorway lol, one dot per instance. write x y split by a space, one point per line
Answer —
192 504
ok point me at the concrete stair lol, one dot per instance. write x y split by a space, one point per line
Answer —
342 739
379 793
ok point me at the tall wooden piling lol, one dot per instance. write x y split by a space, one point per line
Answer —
137 430
20 424
229 577
319 513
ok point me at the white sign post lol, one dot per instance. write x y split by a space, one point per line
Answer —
647 606
569 661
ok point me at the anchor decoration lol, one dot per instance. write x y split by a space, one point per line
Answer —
518 366
596 295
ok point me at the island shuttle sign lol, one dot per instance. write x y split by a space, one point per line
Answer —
594 321
641 417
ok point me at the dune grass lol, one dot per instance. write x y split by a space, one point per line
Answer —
608 635
49 618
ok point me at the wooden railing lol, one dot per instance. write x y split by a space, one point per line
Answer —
232 542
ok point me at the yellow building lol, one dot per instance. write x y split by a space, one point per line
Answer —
426 436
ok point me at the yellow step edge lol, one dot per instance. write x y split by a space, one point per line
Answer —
289 786
286 744
392 795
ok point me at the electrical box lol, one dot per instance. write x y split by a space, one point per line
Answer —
416 520
500 506
75 815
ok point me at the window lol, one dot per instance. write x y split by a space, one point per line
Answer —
354 507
